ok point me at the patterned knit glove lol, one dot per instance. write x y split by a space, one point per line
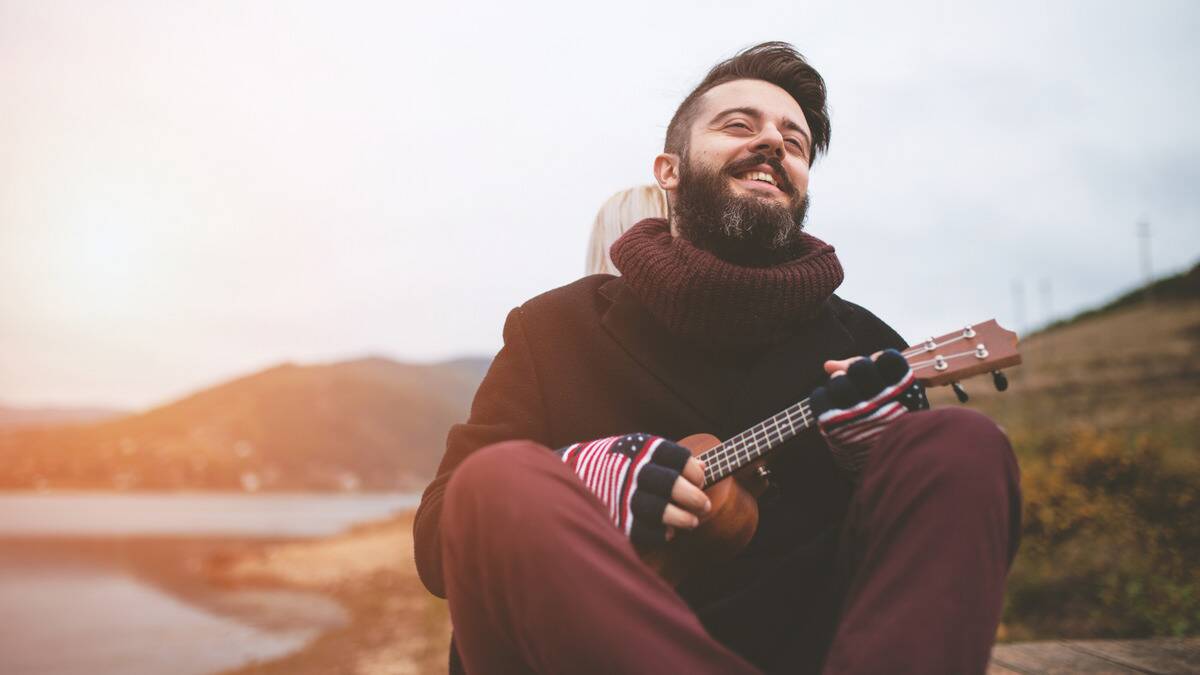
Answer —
633 476
853 410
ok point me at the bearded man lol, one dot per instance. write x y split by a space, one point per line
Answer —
885 540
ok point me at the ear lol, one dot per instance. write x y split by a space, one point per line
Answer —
666 171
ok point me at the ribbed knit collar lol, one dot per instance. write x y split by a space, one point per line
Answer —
708 301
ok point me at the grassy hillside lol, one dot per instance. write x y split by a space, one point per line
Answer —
365 424
1105 418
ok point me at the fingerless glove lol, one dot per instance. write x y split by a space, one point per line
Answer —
633 476
852 410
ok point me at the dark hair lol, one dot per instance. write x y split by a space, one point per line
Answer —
776 62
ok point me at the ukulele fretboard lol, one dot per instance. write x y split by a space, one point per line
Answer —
735 453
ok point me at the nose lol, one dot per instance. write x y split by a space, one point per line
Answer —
769 141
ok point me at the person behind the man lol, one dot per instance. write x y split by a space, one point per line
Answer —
620 212
885 540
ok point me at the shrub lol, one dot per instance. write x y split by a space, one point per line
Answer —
1111 537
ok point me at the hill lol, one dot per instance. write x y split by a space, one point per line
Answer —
1103 418
370 424
14 417
1182 286
1129 365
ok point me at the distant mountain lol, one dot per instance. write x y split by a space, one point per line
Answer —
12 417
471 367
371 423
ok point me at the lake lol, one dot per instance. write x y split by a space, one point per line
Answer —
75 598
82 514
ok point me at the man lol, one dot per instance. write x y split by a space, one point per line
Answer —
884 543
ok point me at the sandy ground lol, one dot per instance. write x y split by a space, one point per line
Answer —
395 626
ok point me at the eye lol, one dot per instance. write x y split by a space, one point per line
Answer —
739 125
796 145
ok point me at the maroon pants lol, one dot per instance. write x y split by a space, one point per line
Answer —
538 579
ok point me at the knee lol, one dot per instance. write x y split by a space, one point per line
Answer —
503 489
950 443
493 470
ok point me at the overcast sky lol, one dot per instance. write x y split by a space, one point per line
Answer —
193 191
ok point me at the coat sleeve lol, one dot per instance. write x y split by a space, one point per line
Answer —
507 406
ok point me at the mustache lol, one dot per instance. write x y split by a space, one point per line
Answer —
781 175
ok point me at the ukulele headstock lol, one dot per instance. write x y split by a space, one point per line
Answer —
973 350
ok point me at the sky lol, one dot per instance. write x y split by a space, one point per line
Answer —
190 192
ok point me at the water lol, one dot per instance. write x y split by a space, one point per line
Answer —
61 620
194 514
72 600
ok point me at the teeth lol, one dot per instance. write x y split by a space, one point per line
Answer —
759 175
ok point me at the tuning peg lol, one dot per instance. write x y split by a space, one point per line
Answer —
960 392
1000 380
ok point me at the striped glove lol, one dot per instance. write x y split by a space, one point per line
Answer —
633 476
853 410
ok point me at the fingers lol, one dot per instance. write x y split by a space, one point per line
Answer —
835 368
892 366
671 455
694 471
673 516
842 392
690 497
838 367
866 378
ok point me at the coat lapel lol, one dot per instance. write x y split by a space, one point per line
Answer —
789 371
703 381
731 394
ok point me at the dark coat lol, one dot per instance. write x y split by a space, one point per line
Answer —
587 361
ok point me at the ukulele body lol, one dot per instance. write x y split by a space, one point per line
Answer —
723 532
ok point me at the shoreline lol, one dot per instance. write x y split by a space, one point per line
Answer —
111 604
394 625
174 566
354 596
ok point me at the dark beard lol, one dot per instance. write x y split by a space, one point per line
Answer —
743 230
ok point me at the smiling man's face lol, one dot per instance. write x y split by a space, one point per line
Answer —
740 119
740 190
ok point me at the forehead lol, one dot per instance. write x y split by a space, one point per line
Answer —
771 99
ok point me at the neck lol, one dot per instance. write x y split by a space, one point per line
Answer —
755 442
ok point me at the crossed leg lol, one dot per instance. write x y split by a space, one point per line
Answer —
926 546
539 580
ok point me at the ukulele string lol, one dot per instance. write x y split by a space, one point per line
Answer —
931 344
747 446
915 365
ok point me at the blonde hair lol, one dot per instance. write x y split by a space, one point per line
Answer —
621 212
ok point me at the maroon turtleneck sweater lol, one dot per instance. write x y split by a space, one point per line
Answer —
706 300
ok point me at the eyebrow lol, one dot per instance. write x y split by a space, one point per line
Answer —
788 123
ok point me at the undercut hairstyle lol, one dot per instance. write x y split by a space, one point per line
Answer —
775 62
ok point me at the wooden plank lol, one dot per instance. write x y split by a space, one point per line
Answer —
995 669
1053 658
1159 656
1163 656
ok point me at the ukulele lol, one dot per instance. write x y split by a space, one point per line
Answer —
734 474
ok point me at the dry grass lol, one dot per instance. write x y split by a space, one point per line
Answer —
1103 416
1133 368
